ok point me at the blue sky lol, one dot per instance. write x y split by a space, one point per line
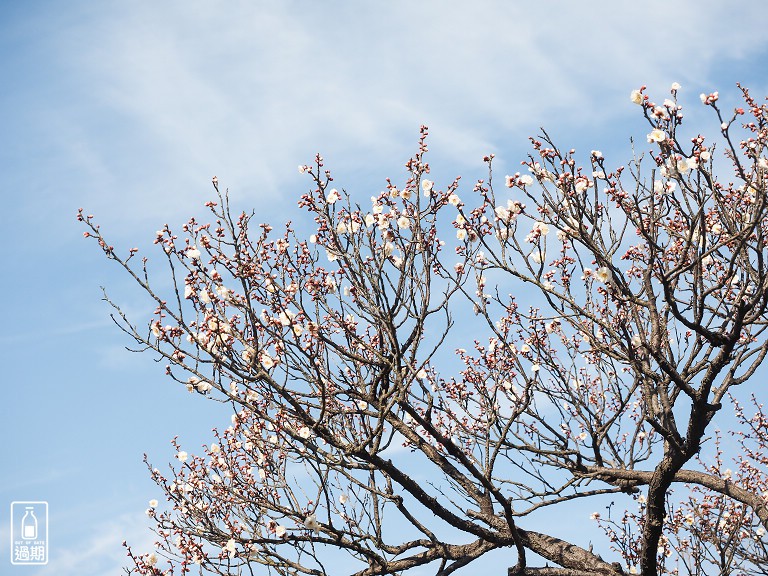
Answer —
127 109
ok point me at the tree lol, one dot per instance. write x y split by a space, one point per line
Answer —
610 318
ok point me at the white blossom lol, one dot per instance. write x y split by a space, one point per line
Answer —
636 96
267 361
311 523
223 292
656 135
603 274
333 196
230 546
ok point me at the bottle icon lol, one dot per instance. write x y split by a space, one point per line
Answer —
29 524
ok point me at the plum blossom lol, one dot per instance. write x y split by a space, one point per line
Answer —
426 186
223 292
526 180
636 97
502 213
404 222
581 185
280 531
182 456
656 135
454 200
153 503
603 274
508 212
267 361
230 547
343 499
248 355
333 196
538 229
193 253
311 523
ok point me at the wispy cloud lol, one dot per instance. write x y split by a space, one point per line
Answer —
248 91
101 552
98 550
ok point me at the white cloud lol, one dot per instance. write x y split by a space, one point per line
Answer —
248 91
101 552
